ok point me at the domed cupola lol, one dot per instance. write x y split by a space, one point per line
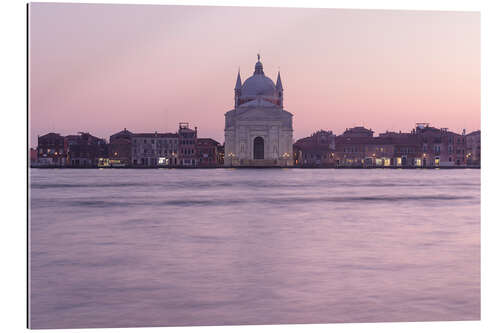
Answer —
258 86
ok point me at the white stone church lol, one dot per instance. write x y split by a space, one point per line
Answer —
258 130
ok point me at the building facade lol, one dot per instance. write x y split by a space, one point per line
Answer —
351 148
52 150
85 150
207 152
424 146
473 146
315 150
258 131
187 145
128 149
120 149
154 149
441 147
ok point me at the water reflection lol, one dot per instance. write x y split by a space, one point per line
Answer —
115 248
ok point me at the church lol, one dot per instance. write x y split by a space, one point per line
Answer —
258 131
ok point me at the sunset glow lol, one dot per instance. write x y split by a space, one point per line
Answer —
102 68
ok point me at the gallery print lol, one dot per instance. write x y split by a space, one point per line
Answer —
196 165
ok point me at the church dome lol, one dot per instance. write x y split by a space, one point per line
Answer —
258 85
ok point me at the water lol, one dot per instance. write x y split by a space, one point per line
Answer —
116 248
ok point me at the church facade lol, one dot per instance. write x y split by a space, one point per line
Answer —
258 131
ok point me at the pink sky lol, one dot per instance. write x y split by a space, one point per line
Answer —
101 68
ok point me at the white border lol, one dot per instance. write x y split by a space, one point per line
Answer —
13 163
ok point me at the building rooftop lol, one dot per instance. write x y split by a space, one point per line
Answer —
155 135
207 141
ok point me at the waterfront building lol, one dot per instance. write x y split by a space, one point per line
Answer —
379 152
86 150
207 152
351 147
154 149
315 150
187 145
406 149
51 150
456 145
258 131
424 146
441 147
120 149
473 148
120 152
350 152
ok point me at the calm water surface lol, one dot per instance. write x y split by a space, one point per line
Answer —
113 248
